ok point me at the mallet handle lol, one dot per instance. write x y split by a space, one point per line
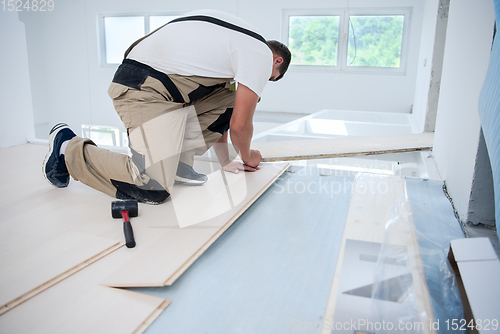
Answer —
127 230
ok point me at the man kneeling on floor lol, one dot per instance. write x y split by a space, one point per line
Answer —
174 94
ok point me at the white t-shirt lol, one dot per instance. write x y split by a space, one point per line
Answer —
210 50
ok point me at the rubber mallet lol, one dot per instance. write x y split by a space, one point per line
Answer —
126 209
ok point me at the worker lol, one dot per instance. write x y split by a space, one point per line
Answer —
174 92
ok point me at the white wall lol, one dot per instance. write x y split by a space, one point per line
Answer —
16 113
467 52
71 86
59 69
425 62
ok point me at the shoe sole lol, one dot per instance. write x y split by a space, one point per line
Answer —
53 132
188 182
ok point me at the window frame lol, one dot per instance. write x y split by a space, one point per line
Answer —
101 31
313 12
345 13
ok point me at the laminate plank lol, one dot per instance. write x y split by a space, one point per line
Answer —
369 212
53 212
164 260
343 147
54 215
78 304
28 272
281 169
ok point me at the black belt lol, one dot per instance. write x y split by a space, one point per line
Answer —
132 74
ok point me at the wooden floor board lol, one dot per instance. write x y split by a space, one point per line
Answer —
156 263
43 224
27 273
369 212
343 147
45 238
79 304
161 262
228 223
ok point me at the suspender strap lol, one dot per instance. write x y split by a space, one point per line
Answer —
222 24
203 18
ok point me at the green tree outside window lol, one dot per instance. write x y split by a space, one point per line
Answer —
314 40
374 40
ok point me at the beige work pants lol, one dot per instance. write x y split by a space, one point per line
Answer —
161 132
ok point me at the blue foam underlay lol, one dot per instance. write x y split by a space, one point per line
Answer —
273 268
436 226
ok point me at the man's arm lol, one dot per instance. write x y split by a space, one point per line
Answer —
222 151
241 125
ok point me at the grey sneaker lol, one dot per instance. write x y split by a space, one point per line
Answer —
54 166
187 175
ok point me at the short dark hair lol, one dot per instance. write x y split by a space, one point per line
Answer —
281 50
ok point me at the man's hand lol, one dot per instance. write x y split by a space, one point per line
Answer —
254 160
222 152
236 166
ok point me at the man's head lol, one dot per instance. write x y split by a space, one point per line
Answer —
281 59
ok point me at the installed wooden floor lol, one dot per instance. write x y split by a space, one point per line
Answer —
62 252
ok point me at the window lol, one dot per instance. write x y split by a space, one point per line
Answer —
313 40
371 40
119 34
375 40
157 21
119 31
106 135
